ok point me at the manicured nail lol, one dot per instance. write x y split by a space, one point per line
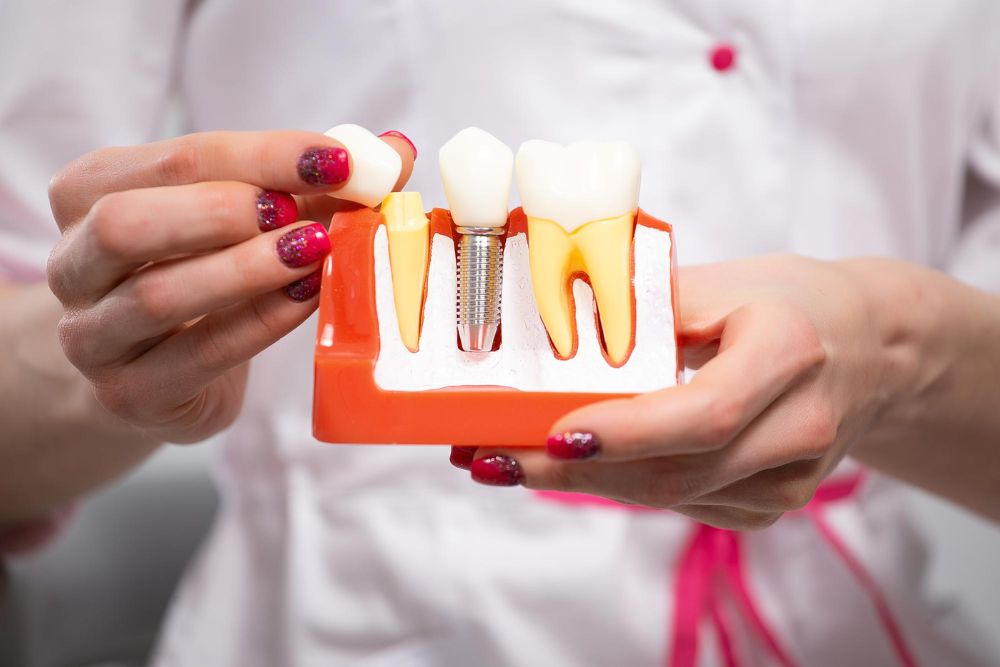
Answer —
275 209
306 288
324 166
572 445
461 457
497 471
303 245
400 135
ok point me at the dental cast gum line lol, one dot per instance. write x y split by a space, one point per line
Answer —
597 250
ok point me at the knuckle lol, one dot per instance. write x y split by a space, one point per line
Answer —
223 204
819 432
180 163
803 339
551 476
666 491
61 183
105 226
74 341
59 283
271 322
794 496
115 397
152 298
724 417
211 351
65 182
652 493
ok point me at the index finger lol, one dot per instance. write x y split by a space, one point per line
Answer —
765 349
288 161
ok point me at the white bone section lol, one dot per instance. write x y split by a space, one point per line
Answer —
375 166
525 360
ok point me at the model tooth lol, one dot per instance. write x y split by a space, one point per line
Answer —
408 232
476 169
375 166
580 201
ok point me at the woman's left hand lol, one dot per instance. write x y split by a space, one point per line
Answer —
797 363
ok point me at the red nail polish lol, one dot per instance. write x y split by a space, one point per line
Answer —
400 135
461 457
306 288
572 445
324 166
275 209
497 471
303 245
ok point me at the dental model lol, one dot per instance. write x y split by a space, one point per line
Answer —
588 288
476 169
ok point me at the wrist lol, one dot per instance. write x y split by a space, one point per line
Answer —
908 307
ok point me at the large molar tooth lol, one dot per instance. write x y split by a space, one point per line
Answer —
408 232
580 201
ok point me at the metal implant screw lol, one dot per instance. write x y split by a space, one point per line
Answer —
480 283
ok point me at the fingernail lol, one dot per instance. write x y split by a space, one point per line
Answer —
400 135
497 471
275 209
572 445
306 288
303 245
324 166
461 457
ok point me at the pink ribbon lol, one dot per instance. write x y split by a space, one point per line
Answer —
712 562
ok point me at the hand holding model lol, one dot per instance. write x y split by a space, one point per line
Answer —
183 259
802 362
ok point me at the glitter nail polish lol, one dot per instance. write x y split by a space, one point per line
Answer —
400 135
306 288
275 209
461 457
497 471
303 245
572 445
323 165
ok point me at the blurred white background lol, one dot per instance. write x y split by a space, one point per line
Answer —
95 597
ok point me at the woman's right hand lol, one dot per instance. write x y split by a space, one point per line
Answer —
181 260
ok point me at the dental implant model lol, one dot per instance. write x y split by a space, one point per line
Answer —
476 169
589 287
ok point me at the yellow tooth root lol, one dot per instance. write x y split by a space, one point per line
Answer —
408 231
602 249
553 259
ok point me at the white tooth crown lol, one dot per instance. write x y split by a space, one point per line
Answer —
476 169
578 183
375 166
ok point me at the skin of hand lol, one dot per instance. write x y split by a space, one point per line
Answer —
800 361
170 281
173 271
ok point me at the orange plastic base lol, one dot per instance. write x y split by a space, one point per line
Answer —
349 407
